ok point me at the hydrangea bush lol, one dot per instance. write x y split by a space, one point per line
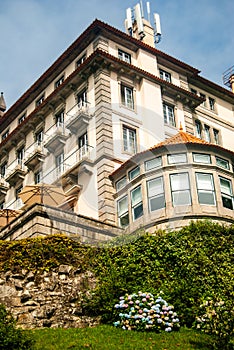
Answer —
217 318
142 311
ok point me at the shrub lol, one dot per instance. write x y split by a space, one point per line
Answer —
142 312
217 318
12 338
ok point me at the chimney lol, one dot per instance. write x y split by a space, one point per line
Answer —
2 105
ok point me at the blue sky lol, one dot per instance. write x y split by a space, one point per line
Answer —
34 33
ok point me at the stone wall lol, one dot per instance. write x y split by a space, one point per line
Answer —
49 299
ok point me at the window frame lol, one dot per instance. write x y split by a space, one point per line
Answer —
164 75
59 82
225 196
176 192
127 146
155 196
205 190
201 161
121 183
169 114
127 96
137 205
175 155
125 213
217 159
40 100
133 173
124 56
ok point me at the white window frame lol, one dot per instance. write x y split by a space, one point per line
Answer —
207 133
224 195
121 183
204 189
169 114
124 56
59 82
180 190
202 158
129 140
153 163
127 96
177 158
222 163
135 205
198 129
134 173
125 214
156 194
164 75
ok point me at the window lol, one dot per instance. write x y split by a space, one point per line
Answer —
207 133
59 162
81 60
20 156
124 56
204 97
201 158
212 103
129 140
123 215
165 75
22 118
5 134
127 96
205 188
180 189
82 98
177 158
198 129
19 202
39 137
153 163
40 100
59 82
3 169
134 173
83 145
226 192
194 91
136 201
121 183
216 136
38 177
59 119
223 163
156 195
168 113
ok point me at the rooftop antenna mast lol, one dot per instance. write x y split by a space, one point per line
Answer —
136 15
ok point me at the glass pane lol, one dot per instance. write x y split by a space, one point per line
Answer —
134 173
222 163
179 181
206 197
155 187
227 202
137 211
225 186
181 198
136 196
177 158
124 220
122 205
153 163
201 158
121 183
205 181
157 203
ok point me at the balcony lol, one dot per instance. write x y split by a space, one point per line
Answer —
67 172
15 171
79 117
56 137
3 185
34 155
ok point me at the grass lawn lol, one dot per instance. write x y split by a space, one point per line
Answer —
106 337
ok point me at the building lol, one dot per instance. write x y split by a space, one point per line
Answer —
125 130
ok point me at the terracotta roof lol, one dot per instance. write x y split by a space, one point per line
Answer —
180 138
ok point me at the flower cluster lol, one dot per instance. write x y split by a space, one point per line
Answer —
142 311
216 317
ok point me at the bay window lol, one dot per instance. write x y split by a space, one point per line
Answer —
205 188
136 203
156 196
180 189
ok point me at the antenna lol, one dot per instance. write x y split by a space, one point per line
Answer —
138 17
158 32
129 20
148 10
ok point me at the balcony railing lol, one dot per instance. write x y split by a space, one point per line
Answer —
3 185
34 155
73 160
55 136
15 171
78 116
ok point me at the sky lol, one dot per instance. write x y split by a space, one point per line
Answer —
34 33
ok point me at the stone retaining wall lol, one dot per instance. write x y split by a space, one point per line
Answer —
49 299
